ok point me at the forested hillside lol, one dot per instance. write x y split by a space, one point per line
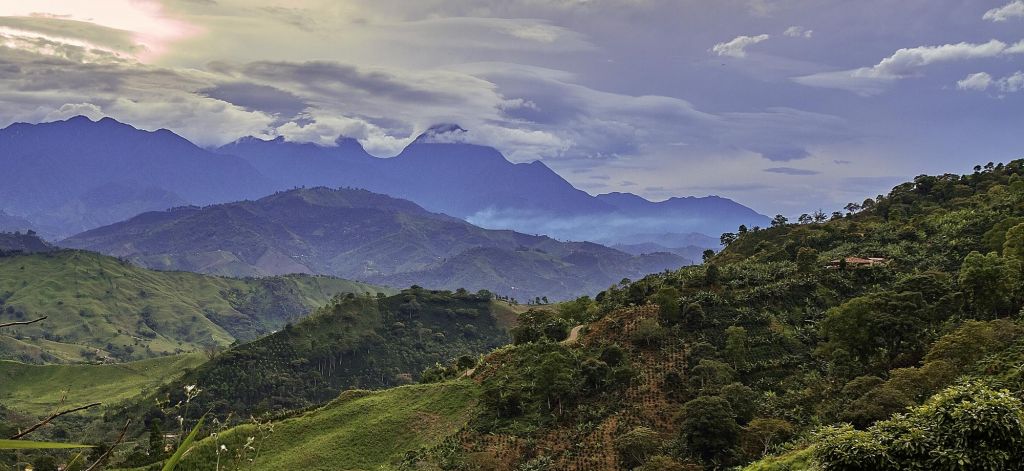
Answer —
770 344
100 308
352 342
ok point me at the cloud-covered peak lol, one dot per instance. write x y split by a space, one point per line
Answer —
442 133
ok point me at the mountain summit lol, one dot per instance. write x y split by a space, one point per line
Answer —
366 236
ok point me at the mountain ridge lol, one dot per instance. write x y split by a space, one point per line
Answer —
366 236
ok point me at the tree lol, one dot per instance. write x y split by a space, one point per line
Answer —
779 220
736 345
887 323
707 255
852 208
557 380
707 427
1013 245
711 275
156 439
648 332
636 446
742 229
742 399
761 435
819 216
805 219
967 426
709 376
669 310
989 282
727 238
806 259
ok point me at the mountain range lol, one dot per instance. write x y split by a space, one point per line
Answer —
367 236
68 176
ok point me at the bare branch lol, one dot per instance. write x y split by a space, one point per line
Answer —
51 417
105 454
22 323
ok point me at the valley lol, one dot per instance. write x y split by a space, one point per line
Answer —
764 357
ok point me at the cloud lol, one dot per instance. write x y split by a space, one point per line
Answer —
983 81
1013 83
791 171
784 154
738 46
906 63
1014 9
258 97
798 32
979 81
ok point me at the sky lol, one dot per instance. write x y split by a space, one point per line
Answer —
783 105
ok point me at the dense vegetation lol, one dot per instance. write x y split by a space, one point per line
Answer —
102 308
352 342
754 352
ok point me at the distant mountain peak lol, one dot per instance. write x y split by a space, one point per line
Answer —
442 133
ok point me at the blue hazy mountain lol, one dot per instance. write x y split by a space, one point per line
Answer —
478 184
69 176
72 175
365 236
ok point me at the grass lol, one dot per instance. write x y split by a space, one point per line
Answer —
37 389
360 430
101 307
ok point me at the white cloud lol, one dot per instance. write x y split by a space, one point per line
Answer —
1014 9
738 46
798 32
979 81
905 63
1013 83
983 81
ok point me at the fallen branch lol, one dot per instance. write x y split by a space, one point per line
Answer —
51 417
22 323
105 454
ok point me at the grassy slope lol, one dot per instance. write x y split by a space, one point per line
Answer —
37 389
359 430
96 302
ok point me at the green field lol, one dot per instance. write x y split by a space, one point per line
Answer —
360 430
100 307
38 389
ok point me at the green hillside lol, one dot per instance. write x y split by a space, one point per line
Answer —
773 348
360 430
100 308
355 342
39 389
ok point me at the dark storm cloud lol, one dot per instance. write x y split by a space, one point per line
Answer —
332 77
258 97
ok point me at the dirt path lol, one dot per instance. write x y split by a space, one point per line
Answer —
574 335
